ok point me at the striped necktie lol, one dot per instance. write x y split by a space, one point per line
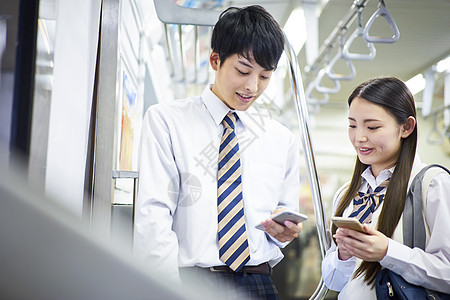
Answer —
233 244
365 204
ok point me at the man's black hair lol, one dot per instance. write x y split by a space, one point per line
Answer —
248 31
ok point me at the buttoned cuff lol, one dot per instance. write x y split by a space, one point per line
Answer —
277 242
347 266
395 253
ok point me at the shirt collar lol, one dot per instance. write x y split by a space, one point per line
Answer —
215 106
367 176
375 182
219 110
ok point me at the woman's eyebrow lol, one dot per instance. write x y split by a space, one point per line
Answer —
365 121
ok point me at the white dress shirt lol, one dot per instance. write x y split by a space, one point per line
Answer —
429 268
176 208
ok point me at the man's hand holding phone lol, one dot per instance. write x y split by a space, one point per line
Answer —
281 230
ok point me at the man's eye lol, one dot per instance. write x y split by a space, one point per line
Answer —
242 73
352 126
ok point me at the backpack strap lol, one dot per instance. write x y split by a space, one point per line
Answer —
414 227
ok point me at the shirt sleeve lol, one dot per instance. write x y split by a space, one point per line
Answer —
154 239
429 268
290 196
335 272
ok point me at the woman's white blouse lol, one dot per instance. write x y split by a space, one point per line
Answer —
429 268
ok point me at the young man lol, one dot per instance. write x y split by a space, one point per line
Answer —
198 201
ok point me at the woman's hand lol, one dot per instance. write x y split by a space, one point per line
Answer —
343 253
370 246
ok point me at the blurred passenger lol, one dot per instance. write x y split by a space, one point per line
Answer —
192 200
383 131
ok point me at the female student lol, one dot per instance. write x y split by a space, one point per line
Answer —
383 131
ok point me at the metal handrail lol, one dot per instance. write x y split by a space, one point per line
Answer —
302 115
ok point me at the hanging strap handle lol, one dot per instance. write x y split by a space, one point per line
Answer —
340 55
329 70
324 89
381 11
435 136
313 100
359 32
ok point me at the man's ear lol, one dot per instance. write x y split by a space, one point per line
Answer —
408 127
214 60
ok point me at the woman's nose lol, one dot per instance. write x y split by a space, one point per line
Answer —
361 135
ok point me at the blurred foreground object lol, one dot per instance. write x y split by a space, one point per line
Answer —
47 253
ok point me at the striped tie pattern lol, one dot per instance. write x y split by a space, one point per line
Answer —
365 204
233 244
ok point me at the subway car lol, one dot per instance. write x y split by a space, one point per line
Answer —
121 181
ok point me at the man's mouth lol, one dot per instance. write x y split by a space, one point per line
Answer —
245 98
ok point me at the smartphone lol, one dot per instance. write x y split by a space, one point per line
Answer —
350 223
286 215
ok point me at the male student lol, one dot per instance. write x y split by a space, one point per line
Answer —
211 169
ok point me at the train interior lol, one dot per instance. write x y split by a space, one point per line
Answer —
77 77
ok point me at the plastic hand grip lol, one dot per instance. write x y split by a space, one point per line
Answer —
313 100
382 11
323 89
359 32
333 76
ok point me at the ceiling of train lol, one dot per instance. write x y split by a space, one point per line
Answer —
424 39
424 35
423 25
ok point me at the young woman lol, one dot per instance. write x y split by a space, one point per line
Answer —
383 131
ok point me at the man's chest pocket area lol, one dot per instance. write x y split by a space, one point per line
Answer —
263 187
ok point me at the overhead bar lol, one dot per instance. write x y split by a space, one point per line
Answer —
339 30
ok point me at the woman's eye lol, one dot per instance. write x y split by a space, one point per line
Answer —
265 77
352 126
373 128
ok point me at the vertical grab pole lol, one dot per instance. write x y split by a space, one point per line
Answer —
302 115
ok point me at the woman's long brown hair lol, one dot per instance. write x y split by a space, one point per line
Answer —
393 95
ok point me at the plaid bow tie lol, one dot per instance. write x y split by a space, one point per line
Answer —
365 204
